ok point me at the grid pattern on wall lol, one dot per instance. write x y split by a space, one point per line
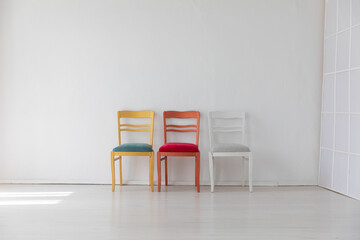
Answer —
339 167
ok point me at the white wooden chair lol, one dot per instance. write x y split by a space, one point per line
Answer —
222 125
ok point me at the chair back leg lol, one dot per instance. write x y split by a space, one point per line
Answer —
195 172
166 171
120 169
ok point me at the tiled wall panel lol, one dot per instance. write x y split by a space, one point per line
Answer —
340 131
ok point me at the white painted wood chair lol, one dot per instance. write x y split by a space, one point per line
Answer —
222 125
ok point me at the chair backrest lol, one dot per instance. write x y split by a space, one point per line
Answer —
226 122
182 128
136 127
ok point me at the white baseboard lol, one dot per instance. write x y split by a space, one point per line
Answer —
339 192
178 183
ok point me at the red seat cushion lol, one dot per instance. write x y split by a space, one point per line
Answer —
179 147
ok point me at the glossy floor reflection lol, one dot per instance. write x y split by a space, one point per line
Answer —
69 212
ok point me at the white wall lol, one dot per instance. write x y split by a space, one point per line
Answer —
340 141
68 66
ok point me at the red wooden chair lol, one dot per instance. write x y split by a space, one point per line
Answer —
178 149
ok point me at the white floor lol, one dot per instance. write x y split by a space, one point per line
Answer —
69 212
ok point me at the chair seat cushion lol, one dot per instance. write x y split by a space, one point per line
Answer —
133 147
229 147
179 147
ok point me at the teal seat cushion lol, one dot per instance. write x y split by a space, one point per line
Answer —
133 147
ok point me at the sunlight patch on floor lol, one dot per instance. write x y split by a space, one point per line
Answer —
31 198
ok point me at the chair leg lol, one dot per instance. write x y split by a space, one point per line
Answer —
112 171
120 169
211 169
198 171
166 172
159 171
151 172
243 172
195 171
250 172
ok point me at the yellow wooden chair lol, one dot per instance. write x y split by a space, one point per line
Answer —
134 149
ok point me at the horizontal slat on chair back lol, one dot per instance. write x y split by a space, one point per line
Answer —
174 128
182 126
136 130
135 114
227 129
227 114
135 127
186 114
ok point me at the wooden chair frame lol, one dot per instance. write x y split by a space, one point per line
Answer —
213 128
115 156
162 156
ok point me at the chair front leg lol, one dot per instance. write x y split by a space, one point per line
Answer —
250 172
198 171
211 170
243 171
112 171
151 171
159 171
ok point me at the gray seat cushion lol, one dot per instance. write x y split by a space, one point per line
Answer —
230 147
